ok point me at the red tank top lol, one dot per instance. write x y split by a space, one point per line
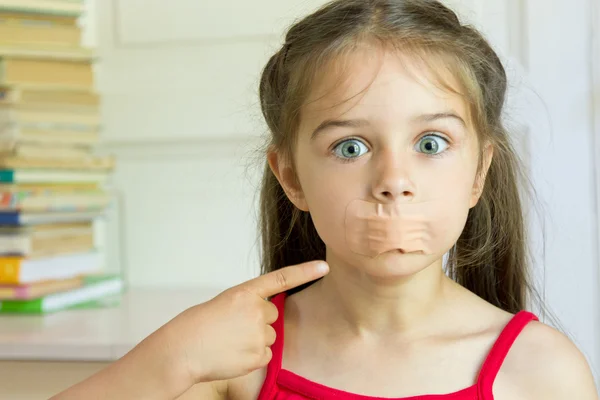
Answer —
281 384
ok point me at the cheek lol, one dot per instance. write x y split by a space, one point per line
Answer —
455 186
458 187
453 225
450 187
328 215
328 191
448 179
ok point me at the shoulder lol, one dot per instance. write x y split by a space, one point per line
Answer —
544 363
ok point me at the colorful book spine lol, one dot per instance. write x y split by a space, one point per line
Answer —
36 290
19 270
91 293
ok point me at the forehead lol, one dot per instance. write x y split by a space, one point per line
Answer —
382 83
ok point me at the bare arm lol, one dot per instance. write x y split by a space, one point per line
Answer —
201 348
149 371
571 376
551 367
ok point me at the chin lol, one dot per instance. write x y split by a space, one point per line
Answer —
396 264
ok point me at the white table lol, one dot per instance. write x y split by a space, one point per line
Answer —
41 355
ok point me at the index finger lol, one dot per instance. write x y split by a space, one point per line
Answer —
286 278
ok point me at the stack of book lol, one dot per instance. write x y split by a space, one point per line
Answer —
53 187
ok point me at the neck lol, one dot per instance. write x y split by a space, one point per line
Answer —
400 305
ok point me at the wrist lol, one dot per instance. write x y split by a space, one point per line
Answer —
153 365
169 361
190 356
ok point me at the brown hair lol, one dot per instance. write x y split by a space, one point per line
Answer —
490 257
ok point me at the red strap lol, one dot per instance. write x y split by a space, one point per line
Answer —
496 356
277 348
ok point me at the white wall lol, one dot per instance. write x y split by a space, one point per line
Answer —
179 85
562 147
180 106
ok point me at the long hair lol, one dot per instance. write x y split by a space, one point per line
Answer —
490 257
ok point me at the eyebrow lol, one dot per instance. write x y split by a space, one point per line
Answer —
361 123
331 123
442 115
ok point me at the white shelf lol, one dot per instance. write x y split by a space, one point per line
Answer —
95 334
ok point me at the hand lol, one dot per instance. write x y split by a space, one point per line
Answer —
230 335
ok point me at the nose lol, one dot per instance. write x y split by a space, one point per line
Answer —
393 179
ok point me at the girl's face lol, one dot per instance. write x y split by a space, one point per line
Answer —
385 133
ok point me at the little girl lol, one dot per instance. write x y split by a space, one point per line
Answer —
391 195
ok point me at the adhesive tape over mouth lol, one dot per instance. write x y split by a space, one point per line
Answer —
375 228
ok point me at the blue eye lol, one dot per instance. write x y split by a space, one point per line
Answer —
432 145
349 149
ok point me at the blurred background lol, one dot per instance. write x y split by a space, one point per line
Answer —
131 142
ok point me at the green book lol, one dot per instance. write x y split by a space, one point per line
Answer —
97 291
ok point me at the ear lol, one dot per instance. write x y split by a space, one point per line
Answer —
284 172
488 153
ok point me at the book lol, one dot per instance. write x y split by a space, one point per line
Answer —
46 228
91 163
48 136
51 176
58 7
42 150
19 270
39 241
41 18
51 99
21 68
93 291
66 187
47 199
27 115
74 54
48 97
19 218
35 290
33 29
